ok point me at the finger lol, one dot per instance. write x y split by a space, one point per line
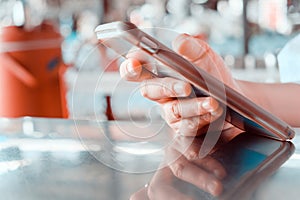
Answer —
189 172
216 125
161 88
166 192
196 50
187 146
187 127
188 47
140 195
161 188
229 133
193 126
199 52
190 147
148 62
143 58
132 70
186 108
212 165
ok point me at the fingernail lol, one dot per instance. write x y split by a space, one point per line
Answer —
215 113
219 173
206 104
179 88
130 69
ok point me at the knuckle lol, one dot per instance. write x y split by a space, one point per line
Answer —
171 111
202 104
164 90
168 86
191 155
206 117
174 126
189 128
199 102
177 169
174 109
191 124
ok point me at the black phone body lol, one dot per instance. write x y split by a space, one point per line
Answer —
239 111
249 159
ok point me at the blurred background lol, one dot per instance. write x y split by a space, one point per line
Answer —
51 64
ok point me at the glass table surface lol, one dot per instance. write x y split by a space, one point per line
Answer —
64 159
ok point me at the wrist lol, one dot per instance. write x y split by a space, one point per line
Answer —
250 90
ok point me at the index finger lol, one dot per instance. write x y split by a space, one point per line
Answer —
132 70
138 66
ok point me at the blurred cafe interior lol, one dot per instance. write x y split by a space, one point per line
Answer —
81 74
60 87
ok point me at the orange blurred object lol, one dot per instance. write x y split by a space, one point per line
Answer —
31 72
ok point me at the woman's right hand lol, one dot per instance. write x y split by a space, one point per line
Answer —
185 115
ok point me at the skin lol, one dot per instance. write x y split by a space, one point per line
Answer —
189 115
184 115
206 173
275 98
280 99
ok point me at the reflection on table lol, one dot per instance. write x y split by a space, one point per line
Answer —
66 159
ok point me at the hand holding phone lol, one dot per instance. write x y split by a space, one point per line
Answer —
165 90
184 115
238 110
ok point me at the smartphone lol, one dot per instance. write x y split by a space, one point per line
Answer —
249 159
239 110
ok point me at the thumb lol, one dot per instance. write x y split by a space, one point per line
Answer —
189 47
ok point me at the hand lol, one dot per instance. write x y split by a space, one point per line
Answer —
180 167
184 115
193 49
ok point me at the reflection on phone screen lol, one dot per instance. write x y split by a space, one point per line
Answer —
238 163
